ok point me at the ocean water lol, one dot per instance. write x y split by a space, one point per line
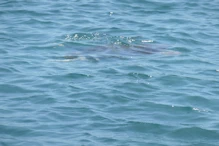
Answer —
109 72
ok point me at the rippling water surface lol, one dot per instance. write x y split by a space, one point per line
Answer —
121 73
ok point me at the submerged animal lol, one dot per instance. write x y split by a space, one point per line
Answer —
96 47
102 52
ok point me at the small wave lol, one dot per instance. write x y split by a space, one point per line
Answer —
195 134
13 89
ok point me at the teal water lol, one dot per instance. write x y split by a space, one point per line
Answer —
121 73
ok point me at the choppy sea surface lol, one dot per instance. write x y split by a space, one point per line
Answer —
109 73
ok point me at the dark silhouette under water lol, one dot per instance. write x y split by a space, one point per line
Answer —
97 52
85 46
